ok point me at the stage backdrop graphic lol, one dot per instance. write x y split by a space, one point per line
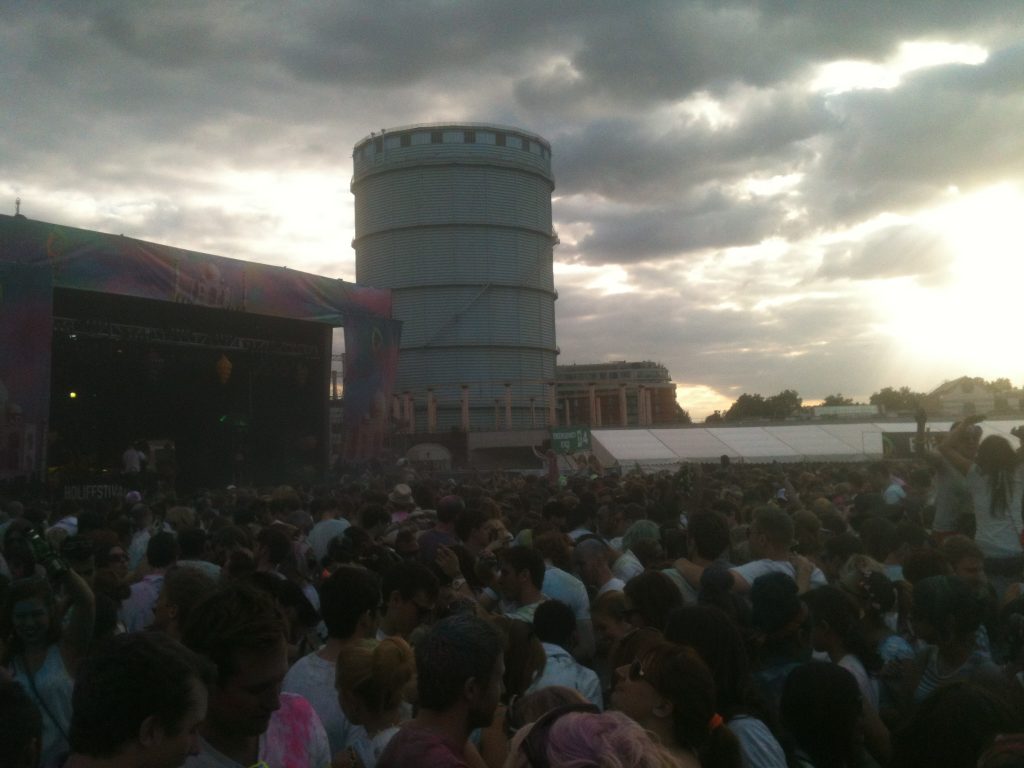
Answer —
371 361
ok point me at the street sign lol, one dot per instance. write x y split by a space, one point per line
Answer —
566 440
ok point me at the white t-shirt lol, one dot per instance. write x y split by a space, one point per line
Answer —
294 739
759 748
753 570
313 678
627 566
868 686
323 533
563 586
612 585
996 535
560 668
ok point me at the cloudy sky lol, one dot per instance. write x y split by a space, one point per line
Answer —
825 196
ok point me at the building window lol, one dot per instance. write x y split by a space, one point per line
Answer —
406 140
436 137
499 139
378 145
469 137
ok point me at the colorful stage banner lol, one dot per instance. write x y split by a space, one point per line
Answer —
95 261
26 332
371 363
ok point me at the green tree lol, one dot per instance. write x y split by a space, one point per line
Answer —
747 407
784 404
837 399
714 418
1000 385
752 407
682 415
896 400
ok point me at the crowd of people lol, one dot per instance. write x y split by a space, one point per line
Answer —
763 616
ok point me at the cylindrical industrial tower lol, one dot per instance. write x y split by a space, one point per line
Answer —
456 220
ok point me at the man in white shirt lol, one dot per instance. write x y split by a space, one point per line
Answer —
520 580
328 527
137 609
771 537
591 556
561 585
555 625
349 604
249 720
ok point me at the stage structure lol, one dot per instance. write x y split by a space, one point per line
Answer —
106 340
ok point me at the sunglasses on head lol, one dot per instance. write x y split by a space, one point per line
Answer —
636 671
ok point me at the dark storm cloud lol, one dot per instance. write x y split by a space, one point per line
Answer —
635 233
632 158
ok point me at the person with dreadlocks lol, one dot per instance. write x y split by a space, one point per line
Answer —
995 479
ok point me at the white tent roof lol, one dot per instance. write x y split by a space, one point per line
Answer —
666 448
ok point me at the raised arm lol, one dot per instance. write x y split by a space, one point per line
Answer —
78 631
950 446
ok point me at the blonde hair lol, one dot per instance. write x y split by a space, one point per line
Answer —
181 518
378 672
611 604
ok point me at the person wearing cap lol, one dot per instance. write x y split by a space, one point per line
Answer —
401 504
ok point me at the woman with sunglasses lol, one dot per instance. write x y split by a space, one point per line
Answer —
670 692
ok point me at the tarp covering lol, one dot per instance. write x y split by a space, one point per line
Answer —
654 449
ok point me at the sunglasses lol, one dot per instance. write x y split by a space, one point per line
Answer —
636 671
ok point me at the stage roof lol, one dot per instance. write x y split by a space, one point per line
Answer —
95 261
653 449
